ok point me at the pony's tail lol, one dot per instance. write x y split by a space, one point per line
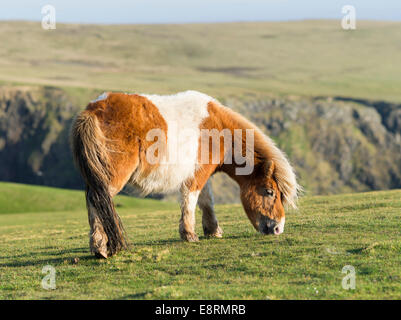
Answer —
91 156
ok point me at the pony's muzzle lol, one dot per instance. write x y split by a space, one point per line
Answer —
271 226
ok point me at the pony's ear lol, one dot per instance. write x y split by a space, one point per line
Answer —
269 168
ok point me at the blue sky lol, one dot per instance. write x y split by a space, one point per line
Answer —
182 11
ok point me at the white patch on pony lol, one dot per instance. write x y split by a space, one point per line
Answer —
192 201
188 207
103 96
280 226
183 113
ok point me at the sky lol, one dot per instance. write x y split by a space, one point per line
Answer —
184 11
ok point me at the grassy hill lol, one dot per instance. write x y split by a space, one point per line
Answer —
327 233
20 198
307 58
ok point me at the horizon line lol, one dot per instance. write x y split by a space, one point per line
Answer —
198 22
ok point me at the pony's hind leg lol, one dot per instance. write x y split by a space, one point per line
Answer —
99 242
210 224
97 237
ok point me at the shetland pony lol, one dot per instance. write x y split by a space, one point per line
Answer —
112 140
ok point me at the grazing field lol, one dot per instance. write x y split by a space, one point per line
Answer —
41 226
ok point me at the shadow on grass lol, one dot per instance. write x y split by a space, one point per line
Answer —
242 236
155 242
135 296
201 238
357 251
47 251
36 258
62 257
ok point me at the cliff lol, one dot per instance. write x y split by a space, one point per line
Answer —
336 144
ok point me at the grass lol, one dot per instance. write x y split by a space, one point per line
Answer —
306 58
327 233
22 198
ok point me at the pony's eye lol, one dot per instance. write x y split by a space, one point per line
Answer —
269 192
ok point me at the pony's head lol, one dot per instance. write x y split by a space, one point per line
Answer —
262 200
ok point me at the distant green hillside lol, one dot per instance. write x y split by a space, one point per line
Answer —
308 58
20 198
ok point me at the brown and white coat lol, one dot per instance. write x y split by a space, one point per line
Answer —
111 143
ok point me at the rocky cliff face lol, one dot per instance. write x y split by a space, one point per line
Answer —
34 124
336 144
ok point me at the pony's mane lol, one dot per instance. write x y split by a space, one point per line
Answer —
267 150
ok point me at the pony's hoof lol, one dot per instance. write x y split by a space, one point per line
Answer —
190 237
101 255
218 233
98 246
100 252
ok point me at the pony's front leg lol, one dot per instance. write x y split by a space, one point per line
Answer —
188 207
209 221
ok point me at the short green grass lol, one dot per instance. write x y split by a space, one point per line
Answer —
326 234
22 198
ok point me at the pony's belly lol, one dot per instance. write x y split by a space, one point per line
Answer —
165 178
